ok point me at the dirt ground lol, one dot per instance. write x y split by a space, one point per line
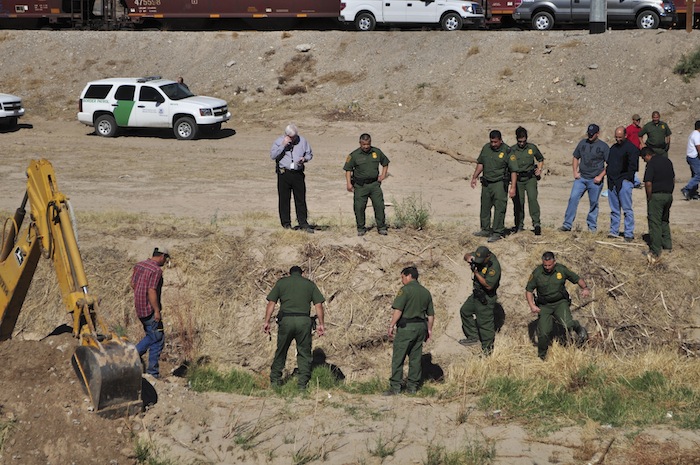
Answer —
429 99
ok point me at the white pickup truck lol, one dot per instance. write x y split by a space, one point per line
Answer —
451 15
10 110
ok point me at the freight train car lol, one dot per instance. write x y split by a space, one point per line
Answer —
117 14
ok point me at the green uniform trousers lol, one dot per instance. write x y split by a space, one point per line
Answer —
293 328
493 196
545 323
408 341
658 213
483 327
528 187
374 192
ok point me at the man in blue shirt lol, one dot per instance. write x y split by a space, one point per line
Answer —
588 165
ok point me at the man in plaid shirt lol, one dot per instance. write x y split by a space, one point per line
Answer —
147 283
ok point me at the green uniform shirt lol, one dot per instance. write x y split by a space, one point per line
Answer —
491 271
414 301
496 162
552 286
525 157
656 134
365 165
295 293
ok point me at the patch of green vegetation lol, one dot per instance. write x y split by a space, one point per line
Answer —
472 453
323 377
203 378
372 386
688 66
6 428
593 395
383 447
411 212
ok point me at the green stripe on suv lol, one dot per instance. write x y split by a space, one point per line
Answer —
123 111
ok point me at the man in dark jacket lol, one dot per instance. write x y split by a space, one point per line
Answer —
623 162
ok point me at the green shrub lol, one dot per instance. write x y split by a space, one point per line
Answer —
411 212
688 66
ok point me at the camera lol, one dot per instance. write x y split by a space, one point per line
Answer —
473 265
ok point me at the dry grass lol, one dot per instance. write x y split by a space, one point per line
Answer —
521 48
342 78
473 50
300 63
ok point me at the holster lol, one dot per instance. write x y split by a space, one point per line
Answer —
480 295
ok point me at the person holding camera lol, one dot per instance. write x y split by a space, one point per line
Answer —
478 311
552 301
363 179
291 152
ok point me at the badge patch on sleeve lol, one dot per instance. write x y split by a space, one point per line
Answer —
348 159
559 276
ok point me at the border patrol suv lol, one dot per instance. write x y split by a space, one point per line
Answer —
10 110
149 102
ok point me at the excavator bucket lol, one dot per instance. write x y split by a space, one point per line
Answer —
111 375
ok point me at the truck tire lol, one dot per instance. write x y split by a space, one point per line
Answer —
365 22
106 126
185 128
648 19
451 22
542 21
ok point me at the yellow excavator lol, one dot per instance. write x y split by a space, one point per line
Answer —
108 366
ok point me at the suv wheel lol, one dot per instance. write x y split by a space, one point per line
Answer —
365 22
451 22
185 128
105 126
542 21
648 19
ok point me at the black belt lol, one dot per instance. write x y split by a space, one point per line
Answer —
662 192
287 170
402 321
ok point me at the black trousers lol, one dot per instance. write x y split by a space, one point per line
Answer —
288 183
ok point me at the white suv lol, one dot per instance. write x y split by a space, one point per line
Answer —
10 110
149 102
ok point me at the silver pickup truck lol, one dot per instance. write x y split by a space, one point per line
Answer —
646 14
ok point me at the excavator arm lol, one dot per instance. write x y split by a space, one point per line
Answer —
108 366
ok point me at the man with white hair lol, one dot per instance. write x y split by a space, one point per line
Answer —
290 153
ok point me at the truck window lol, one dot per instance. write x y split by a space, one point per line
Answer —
175 91
98 91
125 93
149 94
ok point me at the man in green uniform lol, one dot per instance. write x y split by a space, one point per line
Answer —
658 135
494 162
549 279
363 178
659 182
529 162
411 324
478 311
295 293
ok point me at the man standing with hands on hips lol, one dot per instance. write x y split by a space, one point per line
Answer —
147 283
290 153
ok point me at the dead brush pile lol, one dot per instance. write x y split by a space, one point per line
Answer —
215 289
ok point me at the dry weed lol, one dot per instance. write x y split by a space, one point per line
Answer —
521 48
473 50
300 63
342 78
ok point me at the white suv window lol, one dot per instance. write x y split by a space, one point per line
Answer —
149 94
125 93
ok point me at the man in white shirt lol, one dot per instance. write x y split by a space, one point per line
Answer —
690 191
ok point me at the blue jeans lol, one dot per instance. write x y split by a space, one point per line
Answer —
621 200
153 343
581 185
694 164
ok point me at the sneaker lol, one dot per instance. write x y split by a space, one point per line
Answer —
686 194
383 232
494 238
482 233
564 229
538 230
361 232
470 341
629 239
390 392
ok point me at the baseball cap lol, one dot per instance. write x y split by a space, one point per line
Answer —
593 129
161 250
480 254
636 117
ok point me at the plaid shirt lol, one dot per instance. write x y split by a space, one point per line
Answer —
147 275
